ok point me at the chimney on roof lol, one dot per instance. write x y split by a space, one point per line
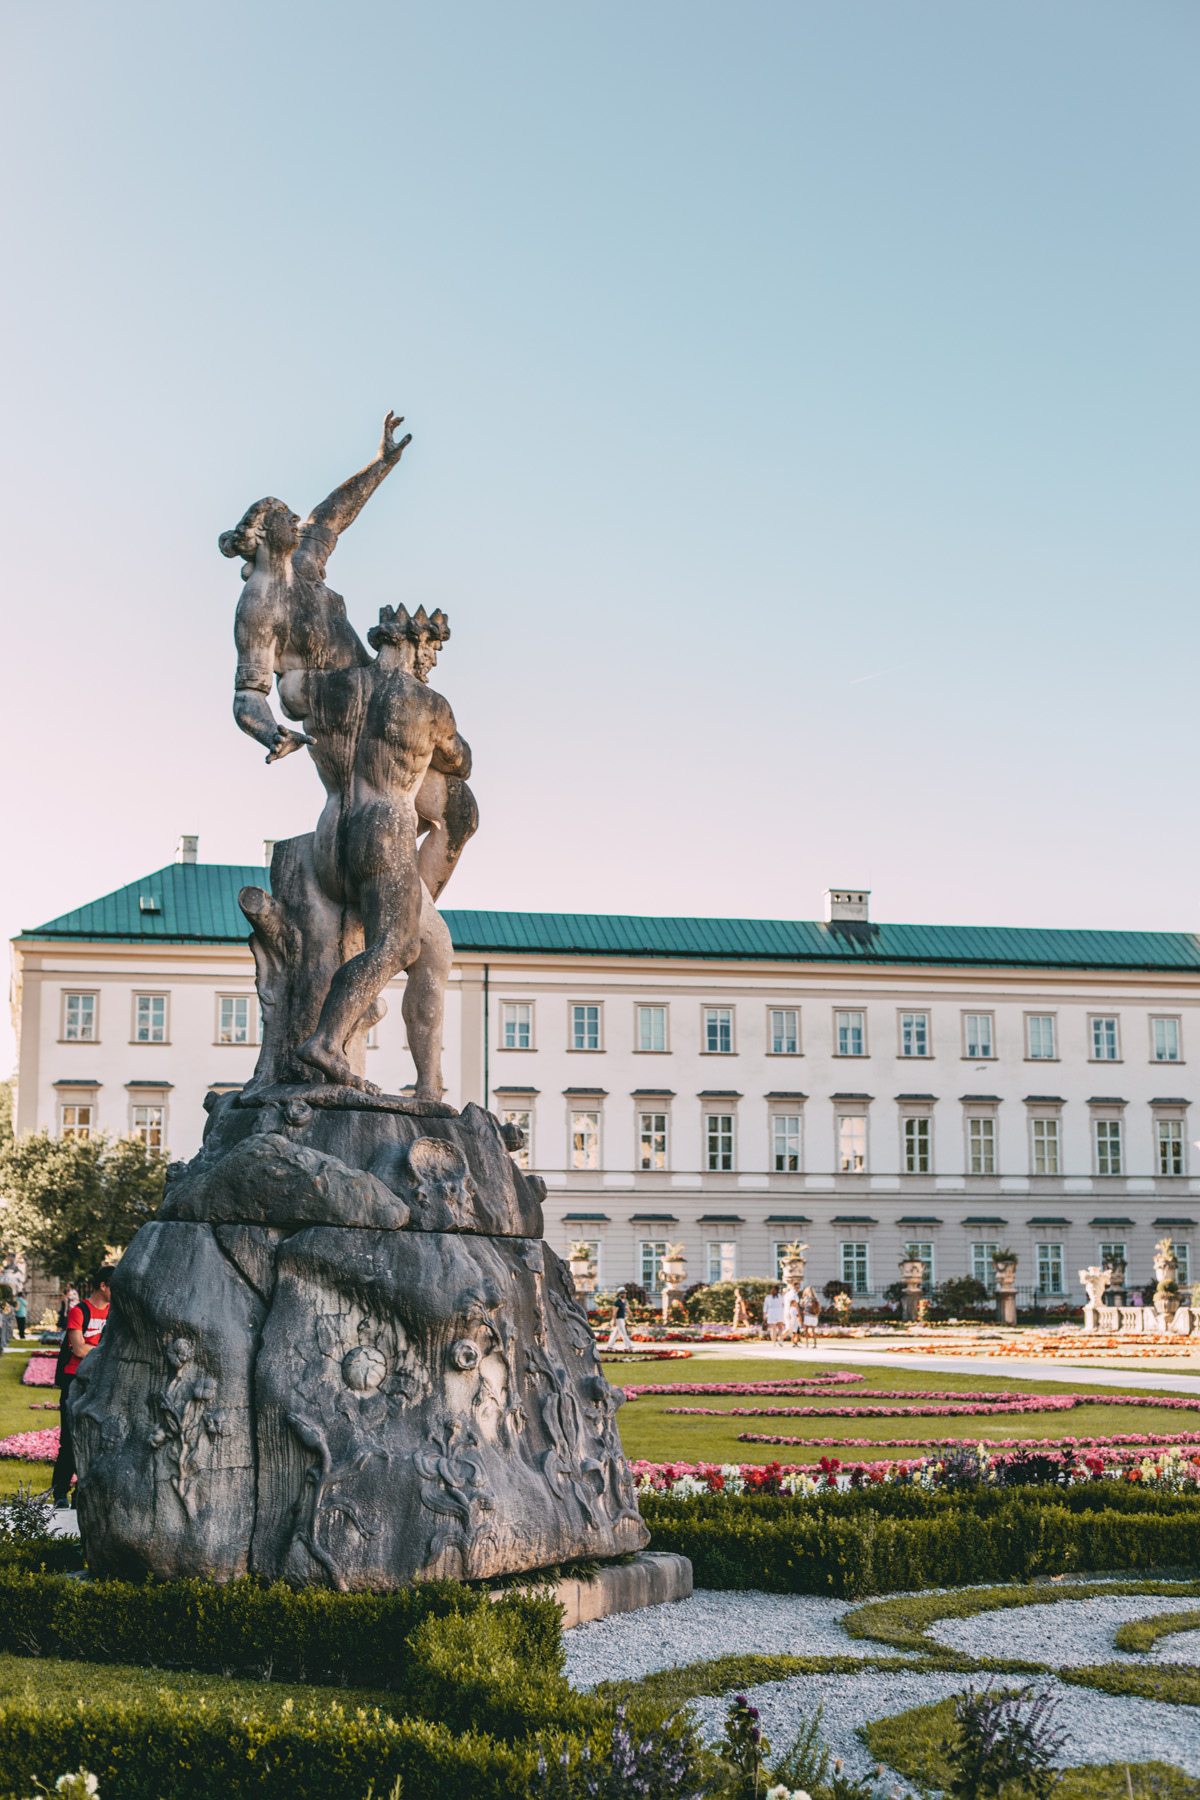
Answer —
186 853
847 903
268 851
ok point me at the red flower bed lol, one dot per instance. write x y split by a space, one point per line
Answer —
983 1406
39 1370
652 1355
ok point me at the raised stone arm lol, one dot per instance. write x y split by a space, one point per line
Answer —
346 502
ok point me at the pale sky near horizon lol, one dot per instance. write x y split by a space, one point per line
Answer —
804 413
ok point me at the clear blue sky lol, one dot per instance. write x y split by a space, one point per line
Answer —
804 410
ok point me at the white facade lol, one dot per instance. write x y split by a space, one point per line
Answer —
733 1103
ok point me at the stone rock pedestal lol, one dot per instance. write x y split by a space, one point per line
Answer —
343 1355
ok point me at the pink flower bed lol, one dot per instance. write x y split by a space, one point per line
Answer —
802 1384
31 1446
982 1406
807 1481
648 1355
39 1371
1135 1444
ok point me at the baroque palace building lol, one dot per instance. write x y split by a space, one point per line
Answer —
734 1084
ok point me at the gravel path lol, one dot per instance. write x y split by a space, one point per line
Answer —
1103 1727
627 1646
1184 1647
1067 1633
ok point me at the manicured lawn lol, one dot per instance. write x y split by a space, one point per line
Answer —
15 1415
649 1432
54 1682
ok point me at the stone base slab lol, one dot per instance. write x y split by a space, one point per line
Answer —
651 1579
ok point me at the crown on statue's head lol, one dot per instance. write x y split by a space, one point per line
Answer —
396 624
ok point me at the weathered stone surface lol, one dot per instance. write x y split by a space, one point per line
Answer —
162 1413
306 1377
652 1578
431 1405
268 1180
451 1174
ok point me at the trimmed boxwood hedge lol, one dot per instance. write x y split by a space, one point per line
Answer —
884 1540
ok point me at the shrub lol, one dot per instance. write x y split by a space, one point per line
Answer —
885 1540
961 1294
1002 1737
714 1302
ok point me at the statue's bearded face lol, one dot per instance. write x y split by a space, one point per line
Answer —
426 656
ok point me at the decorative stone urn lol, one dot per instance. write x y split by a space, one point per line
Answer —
674 1278
1094 1280
583 1269
912 1274
1004 1269
1166 1294
794 1263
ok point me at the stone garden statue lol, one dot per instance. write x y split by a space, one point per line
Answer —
342 1353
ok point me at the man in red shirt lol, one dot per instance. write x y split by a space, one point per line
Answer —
85 1323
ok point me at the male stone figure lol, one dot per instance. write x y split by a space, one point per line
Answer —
375 733
287 618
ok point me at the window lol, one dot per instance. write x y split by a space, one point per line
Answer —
785 1031
1104 1040
1045 1146
233 1019
585 1028
718 1131
914 1034
854 1267
76 1121
1170 1146
977 1028
585 1140
916 1146
981 1264
1041 1036
148 1126
922 1253
981 1146
1164 1040
1050 1268
523 1120
1183 1264
150 1018
651 1027
785 1142
852 1144
718 1030
516 1025
652 1141
372 1034
651 1259
1109 1160
1112 1253
722 1262
850 1034
79 1018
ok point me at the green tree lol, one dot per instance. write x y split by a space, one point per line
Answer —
6 1111
70 1200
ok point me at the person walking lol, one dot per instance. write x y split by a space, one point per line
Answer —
85 1323
791 1312
618 1337
741 1316
773 1312
22 1315
810 1312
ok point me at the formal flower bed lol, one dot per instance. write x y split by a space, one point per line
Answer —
1036 1346
39 1370
685 1481
31 1446
1124 1446
936 1405
653 1355
801 1384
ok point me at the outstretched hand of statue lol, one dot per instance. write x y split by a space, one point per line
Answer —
285 742
389 450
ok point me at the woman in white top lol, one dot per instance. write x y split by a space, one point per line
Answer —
791 1312
773 1313
810 1312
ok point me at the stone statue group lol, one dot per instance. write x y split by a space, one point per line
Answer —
398 810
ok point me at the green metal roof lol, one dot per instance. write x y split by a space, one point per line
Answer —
197 902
